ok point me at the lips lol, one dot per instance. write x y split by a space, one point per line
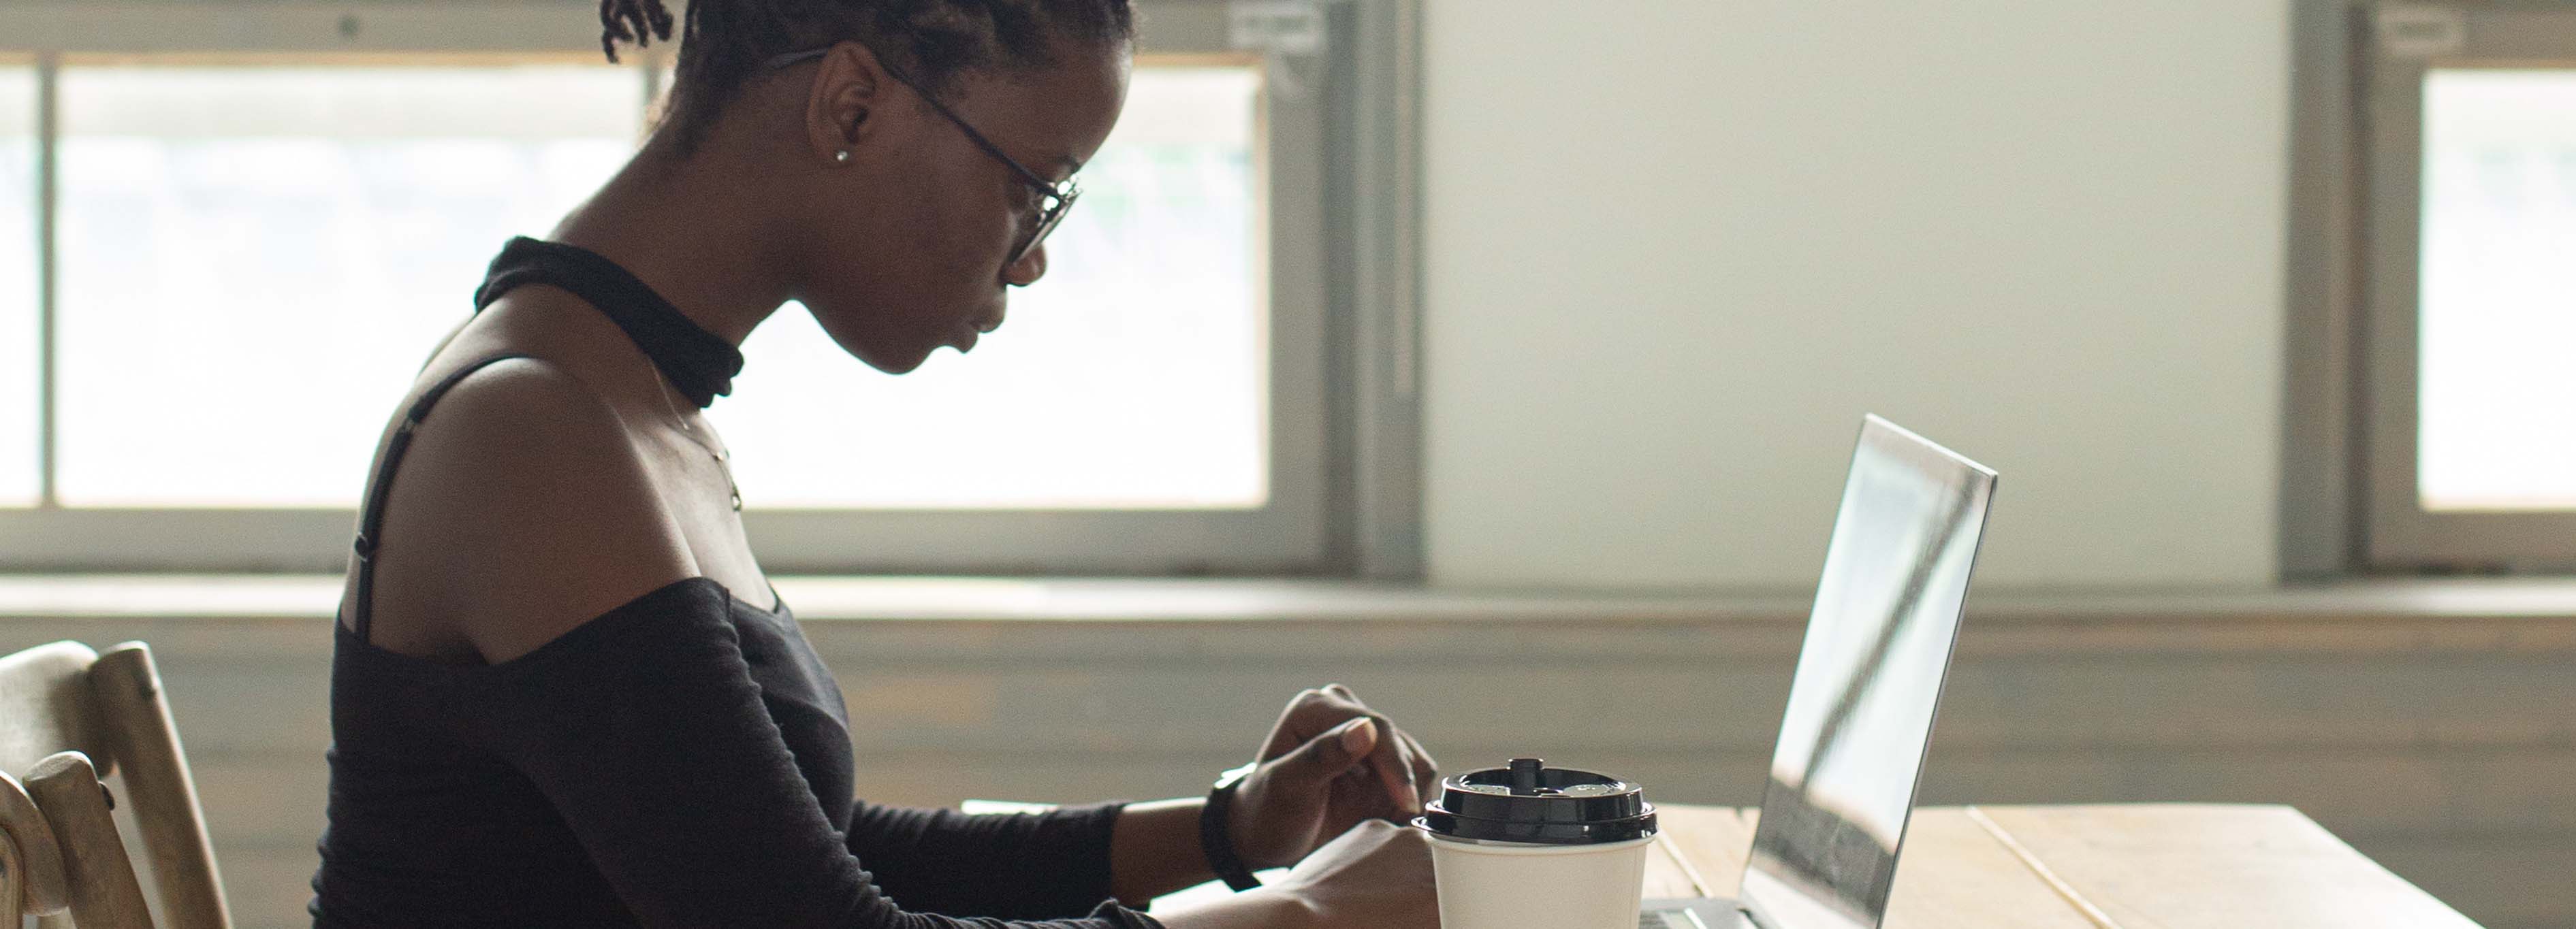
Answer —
971 332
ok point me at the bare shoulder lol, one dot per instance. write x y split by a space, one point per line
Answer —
521 510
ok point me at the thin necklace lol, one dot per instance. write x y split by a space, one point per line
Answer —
662 388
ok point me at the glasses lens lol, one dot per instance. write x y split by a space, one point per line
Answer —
1047 222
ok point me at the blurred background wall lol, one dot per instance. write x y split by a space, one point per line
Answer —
1674 250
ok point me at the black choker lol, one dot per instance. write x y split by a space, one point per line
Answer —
700 363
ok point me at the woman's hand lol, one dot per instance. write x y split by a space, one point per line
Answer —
1376 876
1330 763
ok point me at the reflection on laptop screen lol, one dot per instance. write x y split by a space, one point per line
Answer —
1869 675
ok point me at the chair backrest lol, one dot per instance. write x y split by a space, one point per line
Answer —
68 709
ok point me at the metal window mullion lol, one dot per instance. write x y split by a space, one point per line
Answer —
48 268
1385 130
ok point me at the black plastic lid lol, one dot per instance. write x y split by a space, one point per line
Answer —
1533 803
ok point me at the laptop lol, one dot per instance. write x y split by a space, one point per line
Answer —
1850 755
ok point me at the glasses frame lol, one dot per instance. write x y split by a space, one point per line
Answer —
1059 196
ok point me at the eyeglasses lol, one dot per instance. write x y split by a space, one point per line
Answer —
1056 198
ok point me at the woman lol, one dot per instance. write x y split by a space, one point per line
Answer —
563 693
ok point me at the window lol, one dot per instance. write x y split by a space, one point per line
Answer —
1157 403
19 375
2472 222
2499 267
257 240
295 239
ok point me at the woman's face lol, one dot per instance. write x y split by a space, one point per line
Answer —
918 226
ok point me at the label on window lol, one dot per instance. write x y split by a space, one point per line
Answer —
2422 31
1291 27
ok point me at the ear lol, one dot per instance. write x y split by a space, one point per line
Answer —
848 86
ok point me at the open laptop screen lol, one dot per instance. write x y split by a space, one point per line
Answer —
1869 675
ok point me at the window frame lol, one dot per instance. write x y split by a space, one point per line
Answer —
2402 46
2348 487
1341 195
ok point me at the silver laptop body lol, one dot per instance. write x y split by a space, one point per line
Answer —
1850 755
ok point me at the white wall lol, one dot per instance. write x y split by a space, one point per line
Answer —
1675 248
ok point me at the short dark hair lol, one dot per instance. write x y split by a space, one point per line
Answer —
932 42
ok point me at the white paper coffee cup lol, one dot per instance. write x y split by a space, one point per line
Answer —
1527 846
1497 885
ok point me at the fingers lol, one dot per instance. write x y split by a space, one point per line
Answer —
1393 760
1400 762
1405 773
1292 729
1426 771
1333 753
1307 715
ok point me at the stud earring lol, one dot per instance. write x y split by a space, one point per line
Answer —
841 157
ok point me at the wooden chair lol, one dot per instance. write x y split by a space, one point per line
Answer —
69 717
31 867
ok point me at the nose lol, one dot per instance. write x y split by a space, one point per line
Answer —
1028 269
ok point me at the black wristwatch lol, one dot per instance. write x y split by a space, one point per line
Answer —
1213 839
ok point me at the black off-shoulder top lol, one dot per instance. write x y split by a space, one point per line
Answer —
681 760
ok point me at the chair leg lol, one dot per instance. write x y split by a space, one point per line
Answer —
105 894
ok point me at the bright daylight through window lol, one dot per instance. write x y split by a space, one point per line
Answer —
18 358
256 260
1134 376
287 244
2499 264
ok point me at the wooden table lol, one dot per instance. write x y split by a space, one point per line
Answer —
2133 866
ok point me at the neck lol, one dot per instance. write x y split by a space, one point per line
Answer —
680 225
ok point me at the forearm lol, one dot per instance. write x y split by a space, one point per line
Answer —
1154 850
1016 866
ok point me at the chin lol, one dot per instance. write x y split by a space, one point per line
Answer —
885 350
894 344
896 362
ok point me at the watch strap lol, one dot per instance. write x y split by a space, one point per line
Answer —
1216 841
